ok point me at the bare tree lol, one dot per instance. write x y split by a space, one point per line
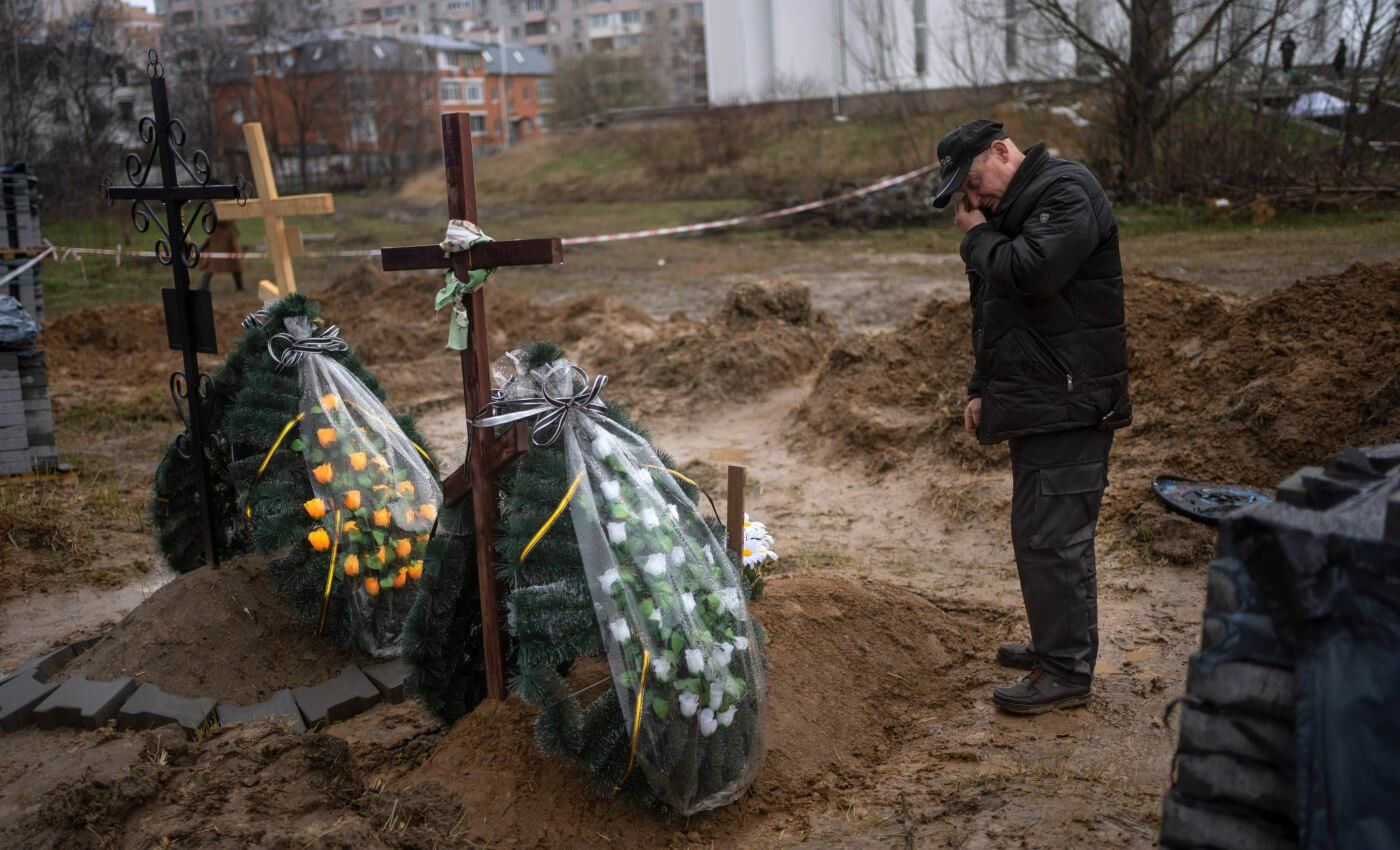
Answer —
1165 53
84 68
23 71
1379 24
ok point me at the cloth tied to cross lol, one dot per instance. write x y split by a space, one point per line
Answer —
550 411
461 236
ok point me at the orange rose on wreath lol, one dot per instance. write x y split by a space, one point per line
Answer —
380 463
329 402
382 518
315 508
401 577
415 570
372 586
358 461
406 487
410 516
319 539
352 500
352 565
325 436
428 512
349 527
382 555
324 473
404 548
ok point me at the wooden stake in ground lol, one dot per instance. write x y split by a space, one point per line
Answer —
734 510
283 242
488 452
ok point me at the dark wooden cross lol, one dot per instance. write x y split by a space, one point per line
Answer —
488 452
189 316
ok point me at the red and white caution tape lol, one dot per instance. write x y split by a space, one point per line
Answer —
14 273
878 186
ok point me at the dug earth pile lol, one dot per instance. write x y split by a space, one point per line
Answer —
764 335
1223 388
219 633
854 665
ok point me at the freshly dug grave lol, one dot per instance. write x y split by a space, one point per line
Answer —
1223 388
852 664
220 633
855 666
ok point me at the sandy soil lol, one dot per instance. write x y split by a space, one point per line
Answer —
896 584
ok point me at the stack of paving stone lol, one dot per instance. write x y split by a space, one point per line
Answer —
29 696
19 207
26 415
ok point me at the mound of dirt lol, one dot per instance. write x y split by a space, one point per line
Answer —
852 664
250 786
218 633
1223 388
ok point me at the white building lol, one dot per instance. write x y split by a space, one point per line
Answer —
765 50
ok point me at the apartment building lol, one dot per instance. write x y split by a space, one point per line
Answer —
667 37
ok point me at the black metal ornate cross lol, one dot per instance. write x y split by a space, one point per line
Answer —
488 452
189 316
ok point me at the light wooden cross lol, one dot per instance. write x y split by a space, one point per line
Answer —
283 242
488 452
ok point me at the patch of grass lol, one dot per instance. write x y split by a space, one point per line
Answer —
815 559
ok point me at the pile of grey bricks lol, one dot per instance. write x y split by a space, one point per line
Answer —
19 206
26 415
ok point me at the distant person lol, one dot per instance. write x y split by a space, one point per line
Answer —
1339 61
224 240
1286 50
1051 377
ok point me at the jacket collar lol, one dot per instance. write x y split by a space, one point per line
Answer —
1036 157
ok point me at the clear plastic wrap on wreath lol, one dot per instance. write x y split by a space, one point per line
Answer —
686 663
376 497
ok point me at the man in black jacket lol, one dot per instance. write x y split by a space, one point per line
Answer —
1051 377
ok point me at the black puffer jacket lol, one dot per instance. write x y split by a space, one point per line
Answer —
1047 305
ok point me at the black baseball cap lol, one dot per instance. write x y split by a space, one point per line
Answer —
956 152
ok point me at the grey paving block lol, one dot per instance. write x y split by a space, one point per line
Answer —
88 643
389 678
18 697
44 666
82 702
150 707
337 699
281 708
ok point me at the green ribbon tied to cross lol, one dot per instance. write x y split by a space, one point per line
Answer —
461 236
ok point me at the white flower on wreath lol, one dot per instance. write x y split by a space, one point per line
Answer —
649 518
694 661
741 643
608 579
726 717
757 543
732 601
617 532
723 653
716 696
612 490
655 564
687 602
677 556
603 445
662 666
689 703
621 632
708 722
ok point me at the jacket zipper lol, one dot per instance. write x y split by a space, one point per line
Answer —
1053 357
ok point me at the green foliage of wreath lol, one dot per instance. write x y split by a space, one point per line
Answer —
249 405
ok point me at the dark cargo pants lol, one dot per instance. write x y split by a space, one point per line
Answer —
1057 485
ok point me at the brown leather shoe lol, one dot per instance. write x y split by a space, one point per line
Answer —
1038 693
1016 655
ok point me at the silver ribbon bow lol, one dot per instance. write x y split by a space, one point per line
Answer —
549 411
287 350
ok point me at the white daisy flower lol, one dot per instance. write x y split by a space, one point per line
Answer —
621 632
694 661
689 703
655 564
612 490
649 518
608 579
726 717
617 532
741 643
677 556
662 666
687 602
708 723
716 696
